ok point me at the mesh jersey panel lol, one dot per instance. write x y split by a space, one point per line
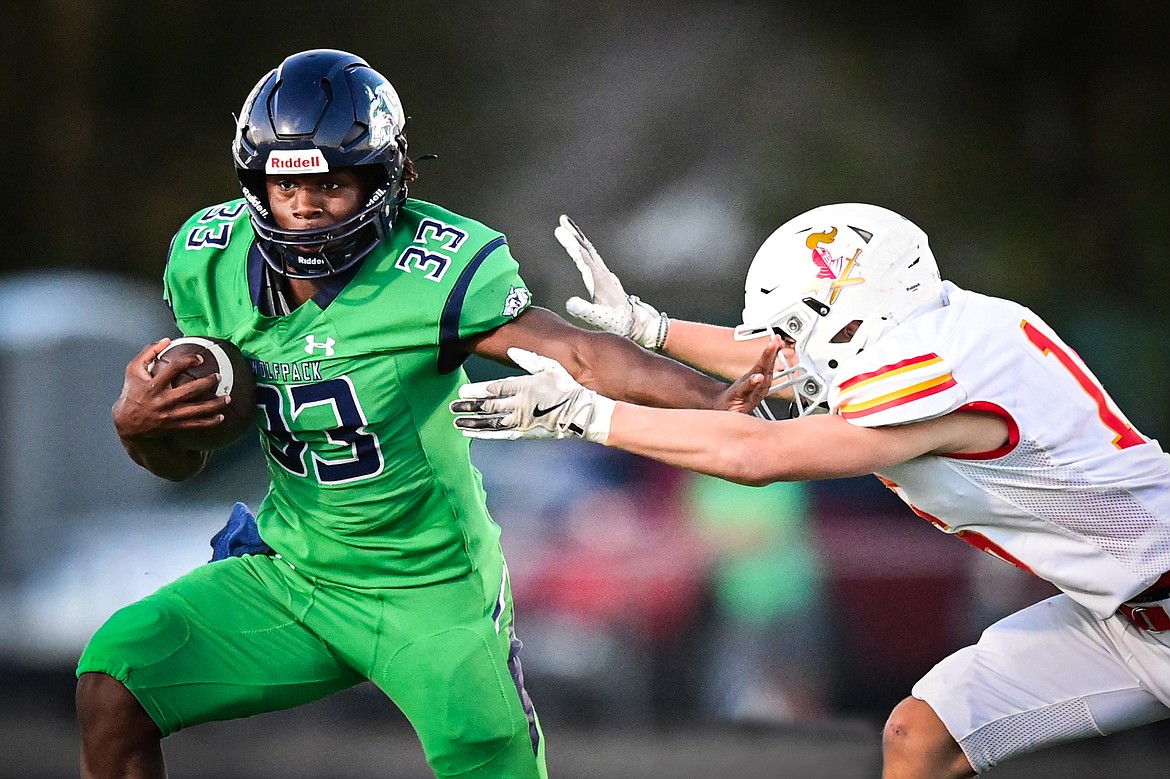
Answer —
1025 732
1110 518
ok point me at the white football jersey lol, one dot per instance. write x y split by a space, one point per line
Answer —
1077 496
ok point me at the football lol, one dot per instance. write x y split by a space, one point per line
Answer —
235 378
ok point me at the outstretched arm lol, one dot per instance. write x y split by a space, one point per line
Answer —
751 451
731 446
822 446
607 363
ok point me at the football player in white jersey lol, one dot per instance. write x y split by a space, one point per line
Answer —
971 409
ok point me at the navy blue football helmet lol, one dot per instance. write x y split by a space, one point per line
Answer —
319 111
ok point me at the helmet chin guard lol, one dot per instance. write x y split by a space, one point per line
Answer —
831 281
322 110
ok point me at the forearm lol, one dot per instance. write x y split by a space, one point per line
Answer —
622 370
717 443
164 459
614 366
710 348
747 450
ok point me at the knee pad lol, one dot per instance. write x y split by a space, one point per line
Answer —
135 637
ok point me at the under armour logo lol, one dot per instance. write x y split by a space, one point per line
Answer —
311 345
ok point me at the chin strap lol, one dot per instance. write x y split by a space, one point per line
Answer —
273 300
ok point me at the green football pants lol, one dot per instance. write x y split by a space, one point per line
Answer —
249 635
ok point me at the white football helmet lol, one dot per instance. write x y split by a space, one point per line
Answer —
823 271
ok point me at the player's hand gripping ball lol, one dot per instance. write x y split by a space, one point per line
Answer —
235 378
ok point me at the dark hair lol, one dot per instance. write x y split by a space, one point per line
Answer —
409 173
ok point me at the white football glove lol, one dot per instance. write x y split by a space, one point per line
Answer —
547 404
611 309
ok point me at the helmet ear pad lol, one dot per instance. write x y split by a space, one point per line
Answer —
393 192
255 189
371 177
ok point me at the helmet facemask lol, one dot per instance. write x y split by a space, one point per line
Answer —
800 373
323 251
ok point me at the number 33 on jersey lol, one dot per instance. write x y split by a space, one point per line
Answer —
353 386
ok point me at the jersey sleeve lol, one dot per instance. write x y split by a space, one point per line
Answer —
167 294
495 292
889 389
488 293
204 282
181 286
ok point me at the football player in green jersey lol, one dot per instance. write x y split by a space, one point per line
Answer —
356 306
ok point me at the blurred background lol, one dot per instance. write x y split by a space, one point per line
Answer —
673 625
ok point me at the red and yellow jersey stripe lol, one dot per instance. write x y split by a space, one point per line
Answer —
897 384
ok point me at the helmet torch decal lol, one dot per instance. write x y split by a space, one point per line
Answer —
297 161
835 269
822 257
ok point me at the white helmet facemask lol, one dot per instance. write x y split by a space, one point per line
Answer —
831 281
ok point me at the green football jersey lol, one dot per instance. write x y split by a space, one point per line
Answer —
372 486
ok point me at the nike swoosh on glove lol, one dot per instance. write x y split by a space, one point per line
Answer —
547 404
611 309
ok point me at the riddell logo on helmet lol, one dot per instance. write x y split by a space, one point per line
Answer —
303 161
379 193
255 202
